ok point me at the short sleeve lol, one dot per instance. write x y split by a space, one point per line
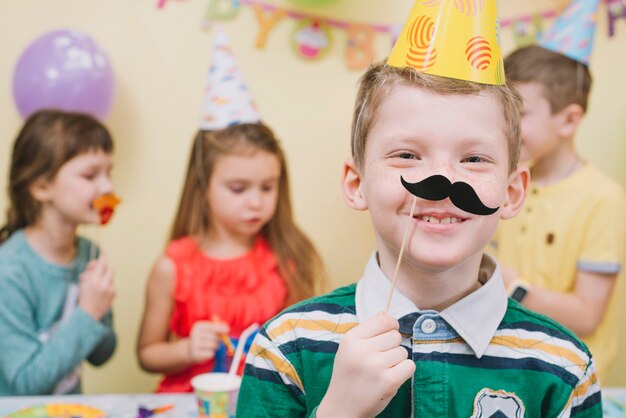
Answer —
604 248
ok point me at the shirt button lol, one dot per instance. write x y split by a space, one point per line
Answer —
428 326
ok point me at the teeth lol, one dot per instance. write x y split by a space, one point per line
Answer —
448 220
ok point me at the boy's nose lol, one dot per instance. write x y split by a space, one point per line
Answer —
443 168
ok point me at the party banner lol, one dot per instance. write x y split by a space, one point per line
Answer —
616 10
312 36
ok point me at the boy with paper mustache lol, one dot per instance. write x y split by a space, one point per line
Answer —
450 343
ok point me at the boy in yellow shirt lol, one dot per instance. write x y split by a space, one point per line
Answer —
562 256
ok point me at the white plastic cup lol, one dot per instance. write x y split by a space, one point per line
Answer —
216 394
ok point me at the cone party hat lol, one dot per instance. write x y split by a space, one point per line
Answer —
227 100
573 31
452 38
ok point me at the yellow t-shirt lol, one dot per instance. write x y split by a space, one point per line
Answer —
576 224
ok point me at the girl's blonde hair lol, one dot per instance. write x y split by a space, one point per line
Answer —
298 261
48 139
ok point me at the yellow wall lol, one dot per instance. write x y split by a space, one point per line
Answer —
161 59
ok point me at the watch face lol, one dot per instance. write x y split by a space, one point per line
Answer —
519 293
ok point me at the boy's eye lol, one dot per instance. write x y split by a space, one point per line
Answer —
475 159
407 156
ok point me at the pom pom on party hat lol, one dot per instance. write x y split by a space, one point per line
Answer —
456 39
227 100
573 31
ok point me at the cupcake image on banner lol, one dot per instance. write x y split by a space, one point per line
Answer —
311 39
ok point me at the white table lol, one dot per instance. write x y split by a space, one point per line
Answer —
117 406
127 406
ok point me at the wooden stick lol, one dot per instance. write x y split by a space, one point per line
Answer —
404 239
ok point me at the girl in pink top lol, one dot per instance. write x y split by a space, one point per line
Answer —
235 256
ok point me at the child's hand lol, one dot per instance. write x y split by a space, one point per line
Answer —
370 366
204 339
95 288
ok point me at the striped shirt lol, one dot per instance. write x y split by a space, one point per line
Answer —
484 356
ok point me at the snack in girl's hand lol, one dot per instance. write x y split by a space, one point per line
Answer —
105 204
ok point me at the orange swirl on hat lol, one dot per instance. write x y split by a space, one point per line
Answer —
105 205
421 54
479 53
469 7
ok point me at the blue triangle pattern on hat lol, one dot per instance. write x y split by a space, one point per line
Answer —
573 31
227 101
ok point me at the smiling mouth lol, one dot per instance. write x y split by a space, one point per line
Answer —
446 220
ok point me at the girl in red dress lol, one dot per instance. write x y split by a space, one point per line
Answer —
235 256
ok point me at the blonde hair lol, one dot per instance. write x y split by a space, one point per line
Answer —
380 79
298 260
48 139
564 80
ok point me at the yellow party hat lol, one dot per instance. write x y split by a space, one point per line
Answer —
452 38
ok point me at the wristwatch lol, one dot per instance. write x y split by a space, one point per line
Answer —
518 291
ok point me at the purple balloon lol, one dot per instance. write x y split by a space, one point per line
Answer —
66 70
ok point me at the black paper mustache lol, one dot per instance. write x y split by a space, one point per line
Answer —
438 187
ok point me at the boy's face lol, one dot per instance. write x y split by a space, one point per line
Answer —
540 127
416 134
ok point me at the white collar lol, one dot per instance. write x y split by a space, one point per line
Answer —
475 318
